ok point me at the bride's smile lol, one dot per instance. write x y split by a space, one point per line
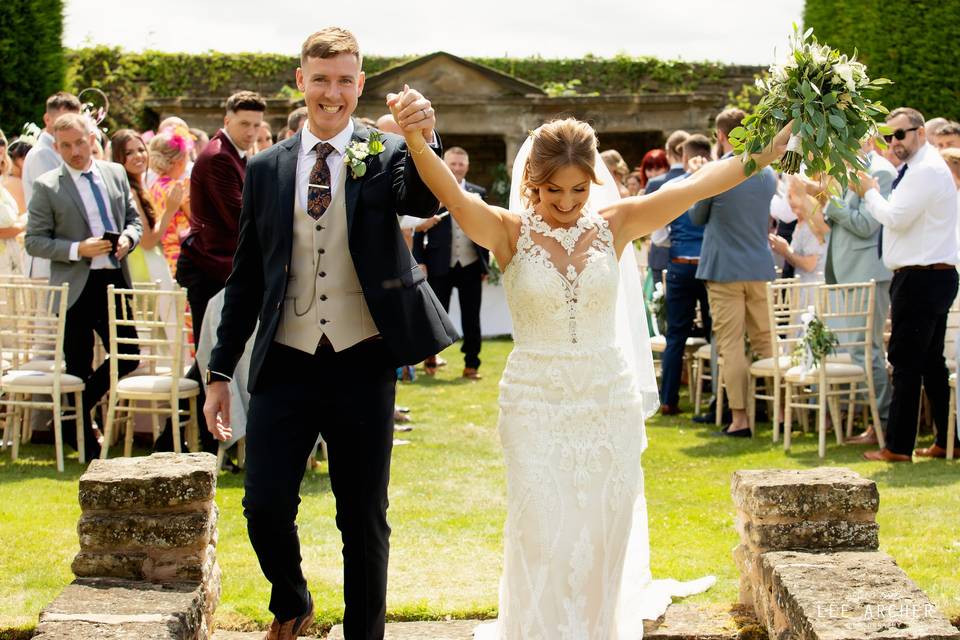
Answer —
563 195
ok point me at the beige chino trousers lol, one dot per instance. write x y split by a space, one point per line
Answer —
738 309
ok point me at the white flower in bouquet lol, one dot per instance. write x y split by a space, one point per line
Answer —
827 96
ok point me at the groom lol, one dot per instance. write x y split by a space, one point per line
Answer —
341 302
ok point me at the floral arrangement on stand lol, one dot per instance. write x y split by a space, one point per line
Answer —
818 343
826 95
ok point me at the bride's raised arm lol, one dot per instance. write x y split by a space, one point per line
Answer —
483 223
635 217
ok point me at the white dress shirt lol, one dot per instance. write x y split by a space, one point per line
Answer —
920 218
40 159
462 250
308 158
92 211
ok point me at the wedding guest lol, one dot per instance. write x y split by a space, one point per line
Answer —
12 223
68 230
216 188
683 291
617 168
807 249
200 141
920 246
295 121
659 256
41 158
634 183
737 263
264 137
947 136
852 257
952 157
454 261
654 164
932 126
13 181
169 154
146 262
171 123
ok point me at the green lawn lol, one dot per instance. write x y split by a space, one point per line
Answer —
447 509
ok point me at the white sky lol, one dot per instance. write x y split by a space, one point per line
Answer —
684 29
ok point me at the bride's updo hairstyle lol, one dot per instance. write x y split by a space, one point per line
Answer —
557 144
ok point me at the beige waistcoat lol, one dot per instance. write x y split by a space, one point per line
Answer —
323 293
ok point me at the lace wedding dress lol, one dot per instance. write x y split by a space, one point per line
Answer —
576 559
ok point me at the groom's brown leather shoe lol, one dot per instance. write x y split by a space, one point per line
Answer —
291 629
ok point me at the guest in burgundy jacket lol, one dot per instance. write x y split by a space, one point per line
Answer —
216 186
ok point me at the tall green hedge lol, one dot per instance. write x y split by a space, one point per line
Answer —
31 59
128 78
913 43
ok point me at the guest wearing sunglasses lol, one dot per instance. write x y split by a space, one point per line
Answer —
919 244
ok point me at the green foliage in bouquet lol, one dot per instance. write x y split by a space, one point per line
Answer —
825 93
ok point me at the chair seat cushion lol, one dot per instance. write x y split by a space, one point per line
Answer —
766 365
704 352
834 370
26 378
155 384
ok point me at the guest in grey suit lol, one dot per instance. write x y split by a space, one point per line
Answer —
737 263
852 256
71 210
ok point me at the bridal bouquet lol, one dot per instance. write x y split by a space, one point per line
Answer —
823 92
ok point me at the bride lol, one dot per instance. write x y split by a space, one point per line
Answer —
579 382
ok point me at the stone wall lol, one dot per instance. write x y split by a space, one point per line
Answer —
809 563
147 566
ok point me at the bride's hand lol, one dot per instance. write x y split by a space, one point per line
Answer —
412 111
778 147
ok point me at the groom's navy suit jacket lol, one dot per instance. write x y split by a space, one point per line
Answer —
410 318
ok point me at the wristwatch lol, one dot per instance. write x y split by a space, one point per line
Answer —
213 376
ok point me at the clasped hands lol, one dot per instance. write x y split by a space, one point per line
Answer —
413 112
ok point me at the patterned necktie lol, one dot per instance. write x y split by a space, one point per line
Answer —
102 208
896 181
319 194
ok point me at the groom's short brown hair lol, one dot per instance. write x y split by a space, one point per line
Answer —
328 43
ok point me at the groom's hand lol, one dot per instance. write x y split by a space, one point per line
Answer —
412 112
217 410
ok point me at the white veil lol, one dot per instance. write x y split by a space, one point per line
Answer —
641 597
633 336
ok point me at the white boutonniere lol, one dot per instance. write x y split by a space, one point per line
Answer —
357 153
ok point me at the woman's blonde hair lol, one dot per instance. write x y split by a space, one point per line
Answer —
165 151
952 156
615 163
558 144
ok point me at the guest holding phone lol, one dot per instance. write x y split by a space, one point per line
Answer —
83 219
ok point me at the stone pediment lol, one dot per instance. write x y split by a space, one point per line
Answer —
442 75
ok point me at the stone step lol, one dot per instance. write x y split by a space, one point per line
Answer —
110 608
846 595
